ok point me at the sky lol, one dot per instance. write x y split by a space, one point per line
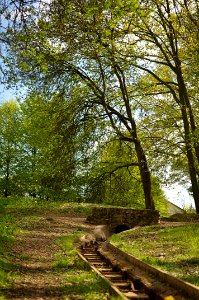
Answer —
6 94
179 195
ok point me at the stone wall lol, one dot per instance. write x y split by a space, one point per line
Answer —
118 218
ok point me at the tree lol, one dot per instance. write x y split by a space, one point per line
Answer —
106 47
114 180
75 38
11 148
51 164
163 29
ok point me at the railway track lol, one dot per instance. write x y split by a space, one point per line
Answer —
120 284
129 280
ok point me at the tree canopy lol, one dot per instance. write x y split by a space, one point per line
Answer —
127 69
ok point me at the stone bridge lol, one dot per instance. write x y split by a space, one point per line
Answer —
120 219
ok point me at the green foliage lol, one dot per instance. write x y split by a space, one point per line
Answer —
60 132
129 66
38 147
11 149
115 180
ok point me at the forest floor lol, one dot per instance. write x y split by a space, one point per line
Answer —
35 252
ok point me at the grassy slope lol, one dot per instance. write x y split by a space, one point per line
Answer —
17 213
8 229
172 249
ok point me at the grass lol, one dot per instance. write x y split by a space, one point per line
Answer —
172 249
7 231
17 215
28 206
80 280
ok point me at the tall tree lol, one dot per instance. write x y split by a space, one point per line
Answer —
50 147
11 148
108 46
163 32
80 39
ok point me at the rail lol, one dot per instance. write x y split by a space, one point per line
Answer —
130 278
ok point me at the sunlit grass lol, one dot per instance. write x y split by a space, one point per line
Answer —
30 202
84 283
66 257
7 231
3 277
79 279
25 204
19 215
173 249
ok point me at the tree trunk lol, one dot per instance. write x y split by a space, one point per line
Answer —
184 99
145 175
189 143
6 191
190 158
142 160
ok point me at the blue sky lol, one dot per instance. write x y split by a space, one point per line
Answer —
6 94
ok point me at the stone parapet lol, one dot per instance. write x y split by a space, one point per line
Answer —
119 219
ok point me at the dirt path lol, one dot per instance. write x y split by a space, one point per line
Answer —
36 250
35 253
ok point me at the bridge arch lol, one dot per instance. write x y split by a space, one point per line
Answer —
121 227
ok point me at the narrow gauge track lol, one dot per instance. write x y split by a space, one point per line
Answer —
120 283
126 283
